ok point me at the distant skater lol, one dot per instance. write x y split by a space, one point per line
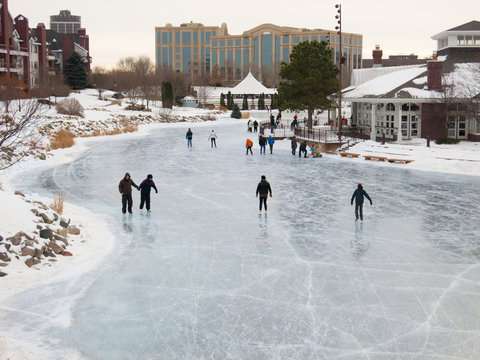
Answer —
262 142
213 139
255 126
125 188
145 188
263 188
189 137
271 141
294 146
249 145
358 196
303 149
249 125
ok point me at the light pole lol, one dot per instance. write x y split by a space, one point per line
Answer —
341 60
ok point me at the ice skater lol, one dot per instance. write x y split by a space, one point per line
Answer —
255 126
271 141
145 188
358 196
249 145
294 146
262 142
213 139
303 148
125 188
189 137
263 188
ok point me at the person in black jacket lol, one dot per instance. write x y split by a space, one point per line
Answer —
262 142
358 196
263 189
294 145
125 188
145 188
303 148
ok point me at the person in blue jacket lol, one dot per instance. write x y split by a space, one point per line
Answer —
358 195
189 137
271 141
145 188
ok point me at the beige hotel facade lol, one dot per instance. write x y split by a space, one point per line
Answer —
210 51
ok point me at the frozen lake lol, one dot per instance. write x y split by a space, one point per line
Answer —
204 277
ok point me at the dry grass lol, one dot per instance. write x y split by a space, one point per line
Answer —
62 139
211 107
222 108
57 204
246 115
129 128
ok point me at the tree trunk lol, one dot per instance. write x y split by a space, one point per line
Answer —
310 118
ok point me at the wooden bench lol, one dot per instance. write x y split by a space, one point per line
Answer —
405 161
347 154
379 158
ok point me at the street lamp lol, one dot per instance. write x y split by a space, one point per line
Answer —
341 60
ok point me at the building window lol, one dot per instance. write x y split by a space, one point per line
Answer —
177 64
267 50
296 40
277 50
195 56
255 53
202 37
177 57
246 60
164 37
246 41
238 42
195 37
222 43
177 49
305 38
476 40
186 59
230 43
207 37
222 58
238 59
314 38
286 40
390 107
177 37
214 44
186 37
286 54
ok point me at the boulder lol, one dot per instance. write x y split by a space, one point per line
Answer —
4 257
28 251
63 224
39 227
49 252
73 230
15 240
40 204
67 253
31 261
29 243
42 156
45 218
35 211
65 220
62 232
55 216
19 193
55 247
46 234
3 264
39 252
1 238
2 274
22 234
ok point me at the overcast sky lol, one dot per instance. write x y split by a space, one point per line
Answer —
120 28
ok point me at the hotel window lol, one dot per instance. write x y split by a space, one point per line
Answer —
460 40
286 39
238 58
207 37
286 54
230 56
267 50
222 43
177 57
390 107
177 37
214 33
177 49
469 40
238 42
222 58
230 42
177 64
195 37
186 38
305 38
202 37
296 40
246 58
314 38
246 41
214 44
195 49
323 38
195 56
164 37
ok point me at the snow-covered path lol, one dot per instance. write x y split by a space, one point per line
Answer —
204 277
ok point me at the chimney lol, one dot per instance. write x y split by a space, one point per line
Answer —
377 56
67 47
21 25
42 52
434 74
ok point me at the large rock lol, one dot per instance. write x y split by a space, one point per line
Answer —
19 193
35 211
1 238
40 204
22 234
4 257
3 264
63 231
60 238
49 252
57 249
2 274
39 252
63 224
28 251
45 218
67 253
31 261
15 240
42 156
46 234
73 230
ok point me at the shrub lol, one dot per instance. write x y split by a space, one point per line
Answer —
211 107
62 139
447 141
138 107
117 95
236 112
45 102
70 106
57 204
222 108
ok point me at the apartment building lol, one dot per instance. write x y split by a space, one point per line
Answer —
65 22
210 51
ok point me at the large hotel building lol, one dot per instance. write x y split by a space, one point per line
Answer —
209 51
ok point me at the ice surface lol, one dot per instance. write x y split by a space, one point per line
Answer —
204 277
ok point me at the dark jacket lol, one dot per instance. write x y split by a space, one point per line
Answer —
272 119
303 146
125 186
358 196
189 135
264 188
262 141
147 185
294 144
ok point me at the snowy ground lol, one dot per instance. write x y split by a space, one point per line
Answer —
203 276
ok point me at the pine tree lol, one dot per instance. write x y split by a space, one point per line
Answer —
222 100
75 72
167 94
230 101
236 112
273 103
261 102
245 102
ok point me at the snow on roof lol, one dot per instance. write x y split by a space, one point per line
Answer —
250 85
360 76
381 85
189 97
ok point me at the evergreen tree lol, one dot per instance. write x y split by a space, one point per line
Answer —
245 102
230 101
236 112
75 72
261 102
309 79
167 94
222 100
273 103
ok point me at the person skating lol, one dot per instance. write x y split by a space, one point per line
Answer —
303 148
189 137
263 188
271 141
125 188
213 139
294 146
262 142
145 188
358 195
249 145
249 125
255 126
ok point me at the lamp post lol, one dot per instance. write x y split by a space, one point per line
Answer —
341 60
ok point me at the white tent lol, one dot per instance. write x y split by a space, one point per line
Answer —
251 86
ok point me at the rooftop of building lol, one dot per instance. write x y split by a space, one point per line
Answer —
65 16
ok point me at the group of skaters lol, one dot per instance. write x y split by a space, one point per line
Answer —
262 141
212 138
302 149
125 188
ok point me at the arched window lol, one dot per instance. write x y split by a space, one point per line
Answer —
390 107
